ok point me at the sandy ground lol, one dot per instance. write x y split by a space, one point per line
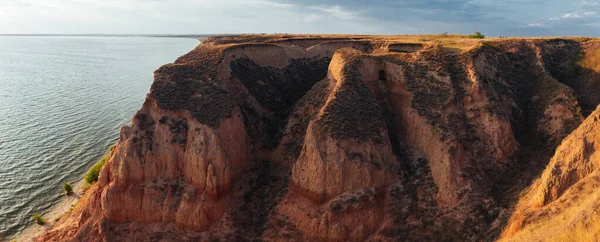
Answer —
64 206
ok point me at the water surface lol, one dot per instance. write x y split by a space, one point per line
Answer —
62 103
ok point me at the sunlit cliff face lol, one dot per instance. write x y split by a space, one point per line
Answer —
341 138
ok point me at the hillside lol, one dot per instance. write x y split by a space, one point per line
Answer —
355 138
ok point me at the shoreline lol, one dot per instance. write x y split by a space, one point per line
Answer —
63 207
59 210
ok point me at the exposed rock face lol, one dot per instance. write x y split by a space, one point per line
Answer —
344 139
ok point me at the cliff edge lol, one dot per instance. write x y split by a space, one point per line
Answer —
347 138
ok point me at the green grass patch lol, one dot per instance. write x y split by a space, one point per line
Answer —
92 175
94 172
37 218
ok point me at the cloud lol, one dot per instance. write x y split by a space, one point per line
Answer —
337 12
592 3
571 15
566 18
535 25
492 17
576 15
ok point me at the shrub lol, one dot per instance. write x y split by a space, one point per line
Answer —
68 188
57 218
94 172
38 219
477 35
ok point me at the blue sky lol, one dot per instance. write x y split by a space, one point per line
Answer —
492 17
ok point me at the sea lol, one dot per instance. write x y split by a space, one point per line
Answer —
63 101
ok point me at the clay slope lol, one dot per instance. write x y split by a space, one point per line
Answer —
338 138
562 204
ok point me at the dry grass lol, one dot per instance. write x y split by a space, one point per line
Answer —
573 217
591 60
453 43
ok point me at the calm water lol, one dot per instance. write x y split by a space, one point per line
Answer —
62 103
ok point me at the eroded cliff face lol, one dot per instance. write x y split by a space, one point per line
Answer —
345 139
562 204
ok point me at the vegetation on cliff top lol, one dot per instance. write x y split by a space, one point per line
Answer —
477 35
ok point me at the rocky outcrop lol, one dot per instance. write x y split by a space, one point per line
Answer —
340 138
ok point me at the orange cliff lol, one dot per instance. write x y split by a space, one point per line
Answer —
346 138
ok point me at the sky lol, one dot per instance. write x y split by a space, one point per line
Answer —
491 17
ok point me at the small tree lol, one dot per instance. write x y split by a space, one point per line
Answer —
37 218
477 35
68 188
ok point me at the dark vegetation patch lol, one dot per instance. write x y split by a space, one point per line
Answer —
179 130
277 90
68 188
429 94
564 60
477 35
268 182
352 111
415 196
164 188
561 57
497 78
206 102
145 123
405 47
306 109
191 84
